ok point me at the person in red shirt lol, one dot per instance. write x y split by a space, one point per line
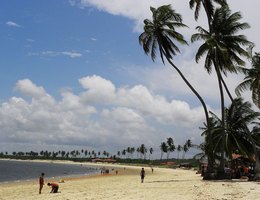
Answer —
54 187
41 182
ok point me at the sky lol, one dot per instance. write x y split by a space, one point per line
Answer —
73 76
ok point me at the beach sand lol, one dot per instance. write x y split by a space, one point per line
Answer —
163 183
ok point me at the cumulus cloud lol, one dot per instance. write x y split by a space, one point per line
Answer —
101 115
12 24
27 87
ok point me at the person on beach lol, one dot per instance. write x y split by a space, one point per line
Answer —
54 187
142 174
41 182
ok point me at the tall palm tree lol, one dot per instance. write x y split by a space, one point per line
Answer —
223 48
252 80
160 34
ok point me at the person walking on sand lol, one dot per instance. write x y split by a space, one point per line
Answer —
142 174
41 182
54 187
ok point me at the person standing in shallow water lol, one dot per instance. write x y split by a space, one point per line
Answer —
41 182
142 174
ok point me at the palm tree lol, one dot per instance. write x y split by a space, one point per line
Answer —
160 33
179 149
124 152
143 150
151 152
164 148
128 150
251 80
208 7
137 152
132 151
186 147
171 146
223 50
238 137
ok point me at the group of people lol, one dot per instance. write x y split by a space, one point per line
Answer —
54 186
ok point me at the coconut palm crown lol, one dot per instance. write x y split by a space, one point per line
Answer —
222 45
160 33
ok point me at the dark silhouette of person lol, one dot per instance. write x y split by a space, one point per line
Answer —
142 174
41 182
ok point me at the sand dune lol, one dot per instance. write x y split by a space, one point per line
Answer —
177 184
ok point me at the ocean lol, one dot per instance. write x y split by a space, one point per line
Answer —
11 171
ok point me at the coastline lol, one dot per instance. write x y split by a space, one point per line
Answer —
163 183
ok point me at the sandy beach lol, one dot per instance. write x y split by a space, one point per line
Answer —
178 184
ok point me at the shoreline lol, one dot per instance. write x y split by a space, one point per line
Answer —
178 184
97 166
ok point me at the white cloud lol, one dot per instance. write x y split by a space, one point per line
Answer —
70 54
101 116
99 90
12 24
27 87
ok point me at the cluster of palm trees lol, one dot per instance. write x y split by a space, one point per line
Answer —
141 152
62 154
169 147
224 49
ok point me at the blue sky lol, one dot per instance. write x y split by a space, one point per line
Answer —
73 75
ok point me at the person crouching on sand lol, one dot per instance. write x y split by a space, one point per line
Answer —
54 187
142 174
41 182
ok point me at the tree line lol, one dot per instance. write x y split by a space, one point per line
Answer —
141 152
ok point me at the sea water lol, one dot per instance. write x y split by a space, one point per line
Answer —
11 170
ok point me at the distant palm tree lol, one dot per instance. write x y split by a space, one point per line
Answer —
124 152
179 149
128 150
185 149
86 153
132 150
151 152
163 148
171 146
143 150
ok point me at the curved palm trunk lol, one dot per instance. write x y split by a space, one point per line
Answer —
210 150
222 164
226 88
